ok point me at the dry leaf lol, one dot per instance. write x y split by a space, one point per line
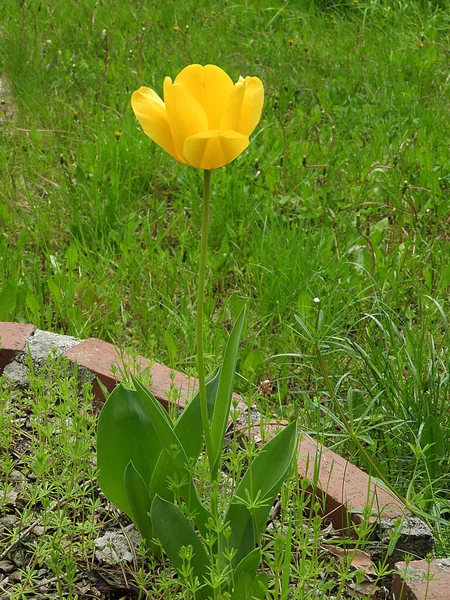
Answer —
360 560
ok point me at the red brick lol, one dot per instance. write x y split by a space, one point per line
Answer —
342 489
422 580
13 338
98 356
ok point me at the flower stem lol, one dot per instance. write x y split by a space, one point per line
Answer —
200 298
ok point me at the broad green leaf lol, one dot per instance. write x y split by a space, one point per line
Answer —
225 392
139 501
250 588
260 484
188 427
125 432
172 465
175 532
173 461
243 536
159 415
260 587
249 564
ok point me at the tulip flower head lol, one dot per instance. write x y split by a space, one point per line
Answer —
205 120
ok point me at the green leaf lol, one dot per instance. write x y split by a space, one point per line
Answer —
250 588
139 501
188 427
125 433
249 564
175 532
173 461
174 466
225 392
160 416
262 480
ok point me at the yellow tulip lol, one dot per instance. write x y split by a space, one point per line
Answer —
206 120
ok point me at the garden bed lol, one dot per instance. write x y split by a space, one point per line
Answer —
60 537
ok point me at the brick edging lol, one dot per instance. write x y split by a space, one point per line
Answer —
343 489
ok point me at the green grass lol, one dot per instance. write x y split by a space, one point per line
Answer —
342 196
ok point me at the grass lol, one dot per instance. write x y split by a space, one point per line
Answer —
337 213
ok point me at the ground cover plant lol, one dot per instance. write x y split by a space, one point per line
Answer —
61 538
334 230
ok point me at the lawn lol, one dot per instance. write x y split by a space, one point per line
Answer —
333 227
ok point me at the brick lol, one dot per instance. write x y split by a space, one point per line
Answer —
98 357
13 338
422 580
345 489
342 489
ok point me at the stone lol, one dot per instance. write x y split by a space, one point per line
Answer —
116 546
415 539
43 344
16 374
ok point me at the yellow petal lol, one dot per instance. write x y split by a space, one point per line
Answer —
151 114
186 116
244 107
213 149
210 86
232 114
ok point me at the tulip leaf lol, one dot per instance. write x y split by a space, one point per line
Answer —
172 467
171 460
175 532
258 488
225 392
188 427
250 588
125 432
249 564
159 414
139 501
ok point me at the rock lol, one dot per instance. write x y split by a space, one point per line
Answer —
6 566
16 374
114 547
43 344
415 539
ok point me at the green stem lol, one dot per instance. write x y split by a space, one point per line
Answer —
200 298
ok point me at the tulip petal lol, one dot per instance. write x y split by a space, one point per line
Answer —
210 86
186 116
213 149
244 106
152 115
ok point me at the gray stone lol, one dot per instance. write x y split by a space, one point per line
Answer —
43 344
415 539
116 547
16 374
